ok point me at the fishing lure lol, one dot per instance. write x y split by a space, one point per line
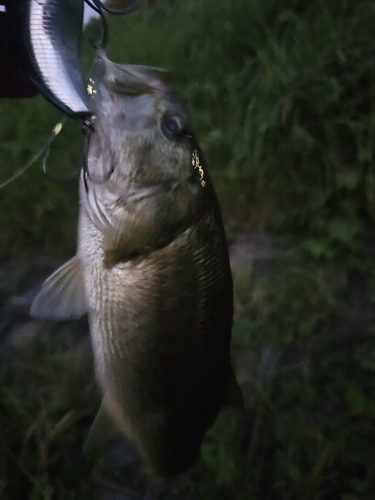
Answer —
47 36
47 40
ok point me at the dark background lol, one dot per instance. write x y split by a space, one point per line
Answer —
281 97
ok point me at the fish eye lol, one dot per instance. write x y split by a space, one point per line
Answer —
172 127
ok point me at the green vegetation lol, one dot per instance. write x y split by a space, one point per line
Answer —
304 353
47 401
281 97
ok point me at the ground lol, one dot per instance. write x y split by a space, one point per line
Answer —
304 354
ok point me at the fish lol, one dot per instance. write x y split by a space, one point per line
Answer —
151 270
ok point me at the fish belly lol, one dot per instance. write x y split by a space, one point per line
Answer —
160 329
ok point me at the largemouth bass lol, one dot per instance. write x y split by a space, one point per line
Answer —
151 270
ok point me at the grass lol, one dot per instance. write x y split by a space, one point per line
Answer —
47 399
304 353
282 102
281 96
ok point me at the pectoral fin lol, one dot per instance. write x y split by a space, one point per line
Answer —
139 239
63 294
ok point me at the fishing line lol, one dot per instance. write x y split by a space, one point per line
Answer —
56 130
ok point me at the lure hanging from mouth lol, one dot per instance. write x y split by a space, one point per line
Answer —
48 42
46 38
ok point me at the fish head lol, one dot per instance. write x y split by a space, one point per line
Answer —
145 184
139 118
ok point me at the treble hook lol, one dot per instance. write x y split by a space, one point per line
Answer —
87 132
127 10
99 7
99 11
